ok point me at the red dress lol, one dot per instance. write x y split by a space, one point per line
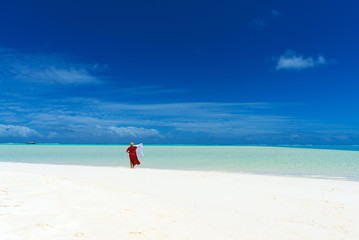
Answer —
133 155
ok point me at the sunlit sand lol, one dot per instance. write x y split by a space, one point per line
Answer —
41 201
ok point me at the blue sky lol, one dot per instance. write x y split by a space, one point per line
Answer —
176 72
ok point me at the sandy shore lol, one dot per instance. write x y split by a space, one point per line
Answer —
40 201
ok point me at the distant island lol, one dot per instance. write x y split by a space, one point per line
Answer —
30 143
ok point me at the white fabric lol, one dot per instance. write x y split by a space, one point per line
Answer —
139 150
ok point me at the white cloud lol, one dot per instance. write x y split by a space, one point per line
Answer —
16 131
103 131
291 61
53 74
45 68
134 132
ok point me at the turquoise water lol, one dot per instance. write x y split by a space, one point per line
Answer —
323 162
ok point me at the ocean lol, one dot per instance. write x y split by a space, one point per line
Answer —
337 162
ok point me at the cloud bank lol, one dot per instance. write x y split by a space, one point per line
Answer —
134 132
46 68
89 120
17 131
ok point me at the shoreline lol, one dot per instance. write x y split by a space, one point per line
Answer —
319 177
304 146
45 201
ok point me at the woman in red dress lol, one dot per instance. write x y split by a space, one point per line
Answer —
133 156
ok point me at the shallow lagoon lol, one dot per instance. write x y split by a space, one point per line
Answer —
328 162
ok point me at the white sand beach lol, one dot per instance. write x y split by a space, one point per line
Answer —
39 201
